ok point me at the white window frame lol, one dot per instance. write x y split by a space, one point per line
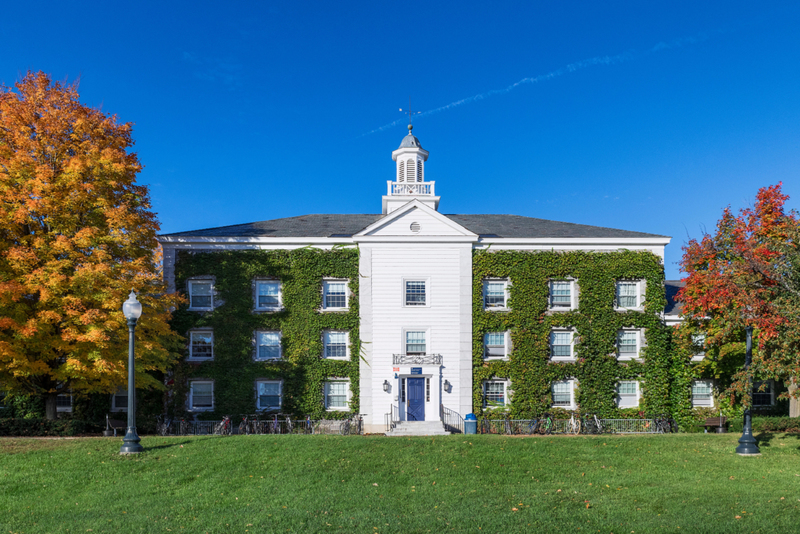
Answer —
65 409
571 357
257 306
190 400
696 403
506 283
639 293
573 295
506 346
638 335
325 283
506 383
190 283
260 408
627 400
571 383
404 340
771 392
326 394
326 335
698 347
427 285
122 391
257 355
204 331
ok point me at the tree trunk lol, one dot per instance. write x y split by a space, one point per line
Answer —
50 409
794 402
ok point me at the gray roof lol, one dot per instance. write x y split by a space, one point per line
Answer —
410 141
671 288
345 225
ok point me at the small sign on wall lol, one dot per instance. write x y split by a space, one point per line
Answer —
395 369
416 370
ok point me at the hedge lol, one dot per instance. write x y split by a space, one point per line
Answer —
45 427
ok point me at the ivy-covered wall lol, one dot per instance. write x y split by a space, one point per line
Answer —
301 323
596 322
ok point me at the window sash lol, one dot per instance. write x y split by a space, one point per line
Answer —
627 343
494 393
63 400
561 344
627 388
627 294
269 294
200 294
335 294
202 344
494 294
561 294
335 344
269 395
562 393
202 394
415 343
495 345
336 394
415 293
762 398
121 401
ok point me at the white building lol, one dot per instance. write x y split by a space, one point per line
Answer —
416 283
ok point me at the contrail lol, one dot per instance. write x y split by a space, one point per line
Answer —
572 67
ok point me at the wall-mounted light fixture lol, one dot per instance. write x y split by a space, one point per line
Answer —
386 386
447 385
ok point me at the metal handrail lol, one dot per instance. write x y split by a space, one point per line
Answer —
417 359
452 420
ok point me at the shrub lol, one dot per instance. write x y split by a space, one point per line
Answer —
45 427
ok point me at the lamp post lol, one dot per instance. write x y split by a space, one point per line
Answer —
747 443
132 310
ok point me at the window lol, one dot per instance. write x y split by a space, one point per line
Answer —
268 295
119 400
495 345
201 395
765 396
561 345
627 394
335 344
628 345
494 394
494 294
415 293
702 394
334 295
630 294
698 346
201 345
562 295
201 294
268 346
269 394
415 343
337 395
64 402
563 394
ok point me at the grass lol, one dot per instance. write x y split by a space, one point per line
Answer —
620 484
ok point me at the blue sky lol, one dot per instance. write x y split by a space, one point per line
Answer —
647 116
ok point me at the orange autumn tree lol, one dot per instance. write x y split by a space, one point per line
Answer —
76 236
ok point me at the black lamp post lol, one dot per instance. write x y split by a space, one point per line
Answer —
747 443
132 310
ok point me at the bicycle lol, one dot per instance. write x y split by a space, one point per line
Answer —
163 425
574 425
546 426
183 428
224 427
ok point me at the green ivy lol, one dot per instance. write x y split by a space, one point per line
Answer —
302 368
595 321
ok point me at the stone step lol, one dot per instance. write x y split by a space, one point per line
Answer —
418 428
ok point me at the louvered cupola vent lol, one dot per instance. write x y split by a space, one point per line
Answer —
410 171
401 169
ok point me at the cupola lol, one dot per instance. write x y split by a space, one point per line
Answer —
409 182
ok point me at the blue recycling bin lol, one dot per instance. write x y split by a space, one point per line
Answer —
470 424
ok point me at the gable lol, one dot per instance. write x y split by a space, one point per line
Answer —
416 220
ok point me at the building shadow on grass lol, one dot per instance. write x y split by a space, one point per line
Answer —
765 439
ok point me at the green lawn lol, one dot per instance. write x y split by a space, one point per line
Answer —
620 484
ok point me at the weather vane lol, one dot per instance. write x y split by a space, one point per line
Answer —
409 112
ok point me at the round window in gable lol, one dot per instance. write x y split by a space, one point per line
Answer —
415 227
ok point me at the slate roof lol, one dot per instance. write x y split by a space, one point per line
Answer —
671 288
345 225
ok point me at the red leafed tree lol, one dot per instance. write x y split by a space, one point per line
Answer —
748 274
76 236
